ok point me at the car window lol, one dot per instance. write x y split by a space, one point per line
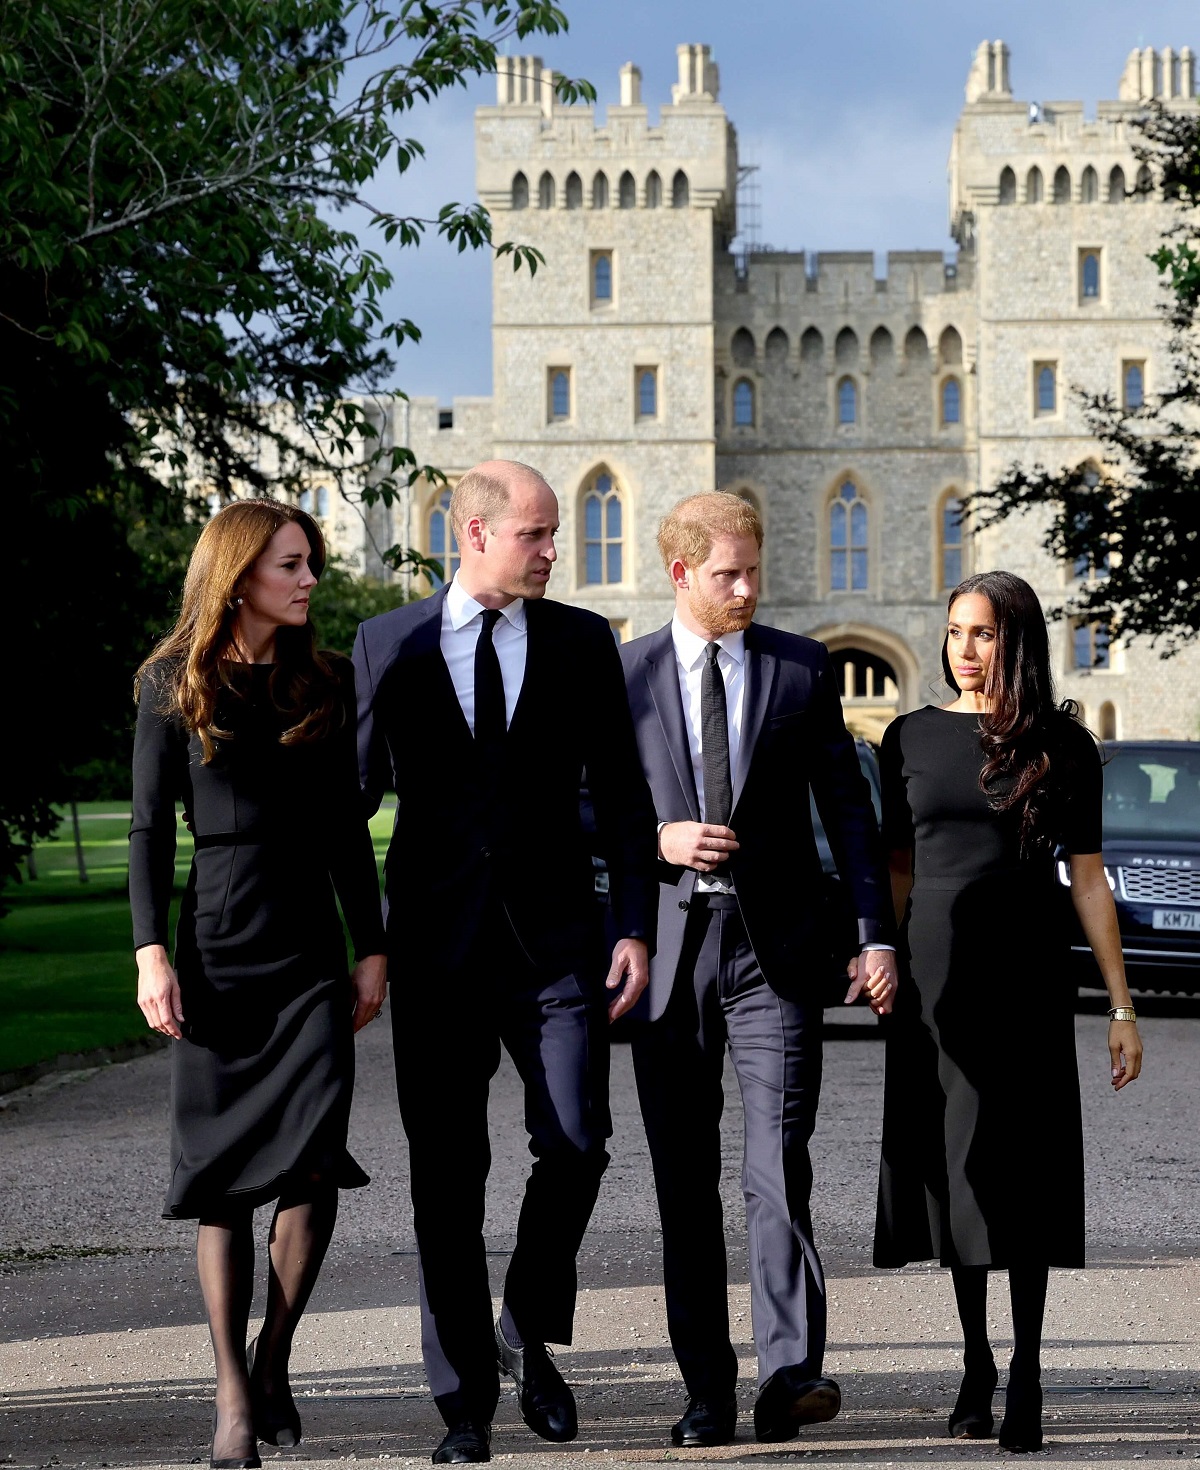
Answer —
1152 793
870 769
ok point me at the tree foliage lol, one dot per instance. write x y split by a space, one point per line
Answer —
1135 516
182 191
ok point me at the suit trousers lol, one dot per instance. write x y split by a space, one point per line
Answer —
721 999
448 1030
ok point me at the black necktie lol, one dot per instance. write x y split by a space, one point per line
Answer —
714 742
491 723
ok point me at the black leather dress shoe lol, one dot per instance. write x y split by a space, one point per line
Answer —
705 1422
466 1443
546 1403
787 1400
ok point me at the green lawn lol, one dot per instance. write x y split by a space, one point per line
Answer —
67 975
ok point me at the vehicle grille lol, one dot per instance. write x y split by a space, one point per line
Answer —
1161 885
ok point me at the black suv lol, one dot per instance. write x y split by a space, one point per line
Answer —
1152 861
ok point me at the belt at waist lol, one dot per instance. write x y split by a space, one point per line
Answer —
249 837
1000 875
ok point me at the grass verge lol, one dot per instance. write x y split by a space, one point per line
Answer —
67 975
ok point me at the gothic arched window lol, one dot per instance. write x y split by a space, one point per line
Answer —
603 532
627 192
322 500
1089 186
1062 185
681 193
1033 186
1116 185
546 191
440 538
1008 186
600 191
848 540
574 191
653 190
520 191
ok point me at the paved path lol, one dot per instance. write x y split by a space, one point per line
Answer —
104 1359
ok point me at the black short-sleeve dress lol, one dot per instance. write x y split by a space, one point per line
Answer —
982 1161
261 1082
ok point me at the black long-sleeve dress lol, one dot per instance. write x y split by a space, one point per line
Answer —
262 1080
982 1160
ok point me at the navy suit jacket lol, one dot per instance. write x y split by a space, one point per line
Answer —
793 738
457 838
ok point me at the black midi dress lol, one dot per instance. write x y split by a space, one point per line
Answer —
261 1082
982 1158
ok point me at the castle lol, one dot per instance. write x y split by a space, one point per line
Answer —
645 361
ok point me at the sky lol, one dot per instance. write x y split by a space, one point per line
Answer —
847 109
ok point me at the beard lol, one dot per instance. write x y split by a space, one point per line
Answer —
721 617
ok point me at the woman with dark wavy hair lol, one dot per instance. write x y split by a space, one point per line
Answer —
243 721
982 1161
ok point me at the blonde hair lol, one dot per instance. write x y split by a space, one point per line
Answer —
688 530
486 492
303 682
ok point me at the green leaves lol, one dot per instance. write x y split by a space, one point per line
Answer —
185 309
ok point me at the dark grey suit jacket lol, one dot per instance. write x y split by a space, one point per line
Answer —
793 738
459 839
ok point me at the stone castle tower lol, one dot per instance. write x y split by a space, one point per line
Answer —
645 361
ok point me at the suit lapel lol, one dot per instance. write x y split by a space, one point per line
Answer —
425 650
535 651
662 677
760 686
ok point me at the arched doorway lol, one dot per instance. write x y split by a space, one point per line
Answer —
870 691
877 676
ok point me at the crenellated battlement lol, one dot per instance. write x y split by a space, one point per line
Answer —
533 151
1008 151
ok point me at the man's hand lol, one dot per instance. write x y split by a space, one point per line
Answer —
696 845
875 972
158 991
368 980
631 963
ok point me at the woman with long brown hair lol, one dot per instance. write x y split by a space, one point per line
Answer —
982 1136
243 721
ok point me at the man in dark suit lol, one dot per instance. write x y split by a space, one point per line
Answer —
483 707
735 723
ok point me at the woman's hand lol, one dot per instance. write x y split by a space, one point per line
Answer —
1125 1049
369 982
158 991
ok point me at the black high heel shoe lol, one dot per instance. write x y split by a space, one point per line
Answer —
1021 1428
273 1424
972 1414
231 1462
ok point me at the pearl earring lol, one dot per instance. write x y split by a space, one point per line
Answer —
238 600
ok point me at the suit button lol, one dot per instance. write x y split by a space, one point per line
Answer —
683 903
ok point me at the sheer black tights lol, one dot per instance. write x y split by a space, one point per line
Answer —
300 1234
1027 1290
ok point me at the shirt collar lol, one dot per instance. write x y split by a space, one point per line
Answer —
690 647
462 607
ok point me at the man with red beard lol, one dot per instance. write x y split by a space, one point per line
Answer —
735 723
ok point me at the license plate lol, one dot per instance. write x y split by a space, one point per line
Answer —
1177 919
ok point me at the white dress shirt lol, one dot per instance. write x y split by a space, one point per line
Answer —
691 653
462 622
